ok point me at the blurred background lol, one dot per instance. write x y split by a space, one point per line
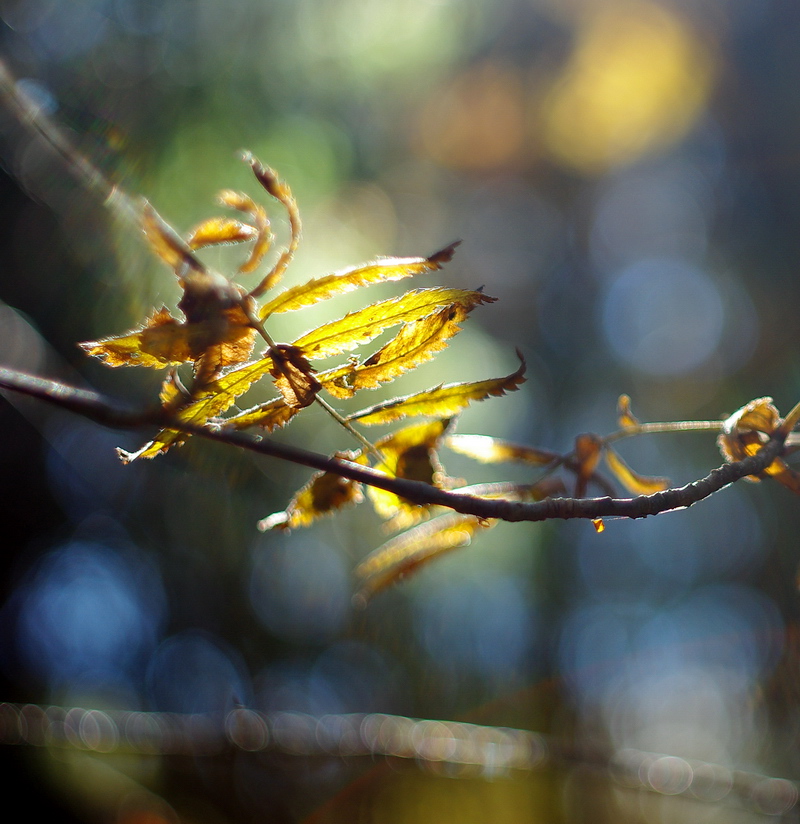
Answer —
625 176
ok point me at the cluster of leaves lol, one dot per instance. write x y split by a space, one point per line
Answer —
221 322
217 333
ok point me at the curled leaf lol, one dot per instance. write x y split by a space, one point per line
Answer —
243 203
322 495
294 376
747 430
625 417
409 453
219 231
268 178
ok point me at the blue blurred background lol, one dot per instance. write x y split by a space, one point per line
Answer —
625 176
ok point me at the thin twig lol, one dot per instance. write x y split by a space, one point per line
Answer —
102 410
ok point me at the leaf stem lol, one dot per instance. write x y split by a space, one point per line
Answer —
662 427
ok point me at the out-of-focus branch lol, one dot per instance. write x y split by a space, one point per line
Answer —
38 125
451 748
108 412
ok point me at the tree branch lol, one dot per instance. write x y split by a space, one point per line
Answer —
105 411
452 748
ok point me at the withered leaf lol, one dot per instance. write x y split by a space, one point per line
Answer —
219 231
268 178
626 418
210 400
747 430
409 453
322 495
587 453
294 376
243 203
443 401
322 288
163 341
414 344
270 415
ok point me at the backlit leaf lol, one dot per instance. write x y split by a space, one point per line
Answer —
633 482
487 449
270 415
243 203
363 325
219 231
322 495
408 453
213 399
416 343
268 178
443 401
406 553
164 341
746 431
384 269
294 377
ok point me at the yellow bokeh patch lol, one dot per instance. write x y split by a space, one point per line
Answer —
637 80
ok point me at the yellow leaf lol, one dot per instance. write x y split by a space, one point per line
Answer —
408 552
270 415
487 449
442 401
416 343
634 483
364 325
163 341
322 495
243 203
219 230
385 269
212 400
745 432
759 415
408 453
626 418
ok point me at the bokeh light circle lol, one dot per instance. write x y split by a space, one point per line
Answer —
663 317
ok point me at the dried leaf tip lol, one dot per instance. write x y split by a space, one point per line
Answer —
444 255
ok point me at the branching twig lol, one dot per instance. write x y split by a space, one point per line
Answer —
105 411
